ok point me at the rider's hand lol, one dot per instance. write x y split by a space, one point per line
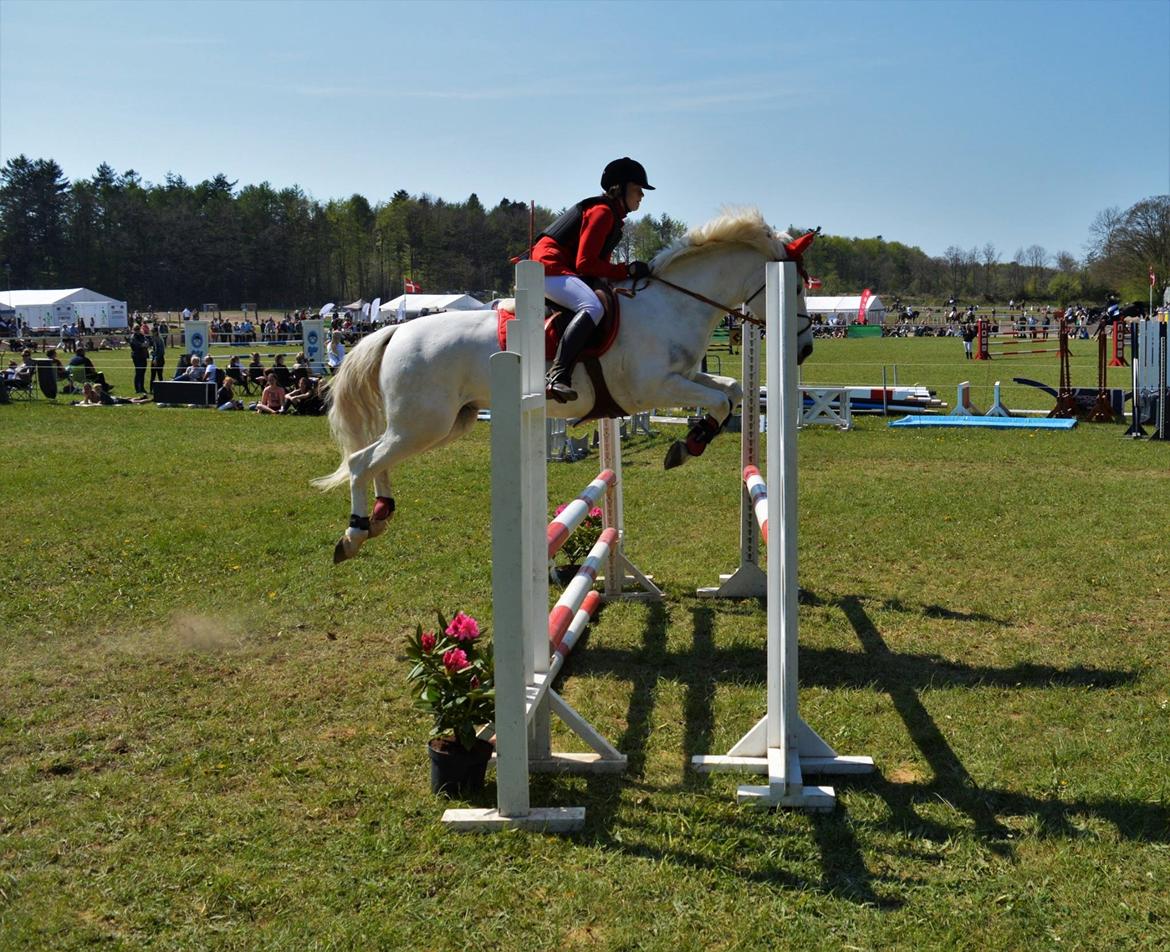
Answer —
639 270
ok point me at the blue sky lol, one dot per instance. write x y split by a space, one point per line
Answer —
932 123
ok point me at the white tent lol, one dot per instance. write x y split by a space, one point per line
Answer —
417 303
847 308
56 308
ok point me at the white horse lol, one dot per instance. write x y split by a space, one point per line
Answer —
412 387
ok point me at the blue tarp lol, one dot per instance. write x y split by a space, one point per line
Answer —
1004 423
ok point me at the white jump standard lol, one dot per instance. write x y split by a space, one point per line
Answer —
781 745
530 643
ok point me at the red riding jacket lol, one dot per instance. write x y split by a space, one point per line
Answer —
600 231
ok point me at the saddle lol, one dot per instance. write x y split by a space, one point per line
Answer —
556 319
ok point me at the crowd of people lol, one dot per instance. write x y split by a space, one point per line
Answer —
278 387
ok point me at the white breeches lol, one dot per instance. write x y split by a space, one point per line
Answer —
570 291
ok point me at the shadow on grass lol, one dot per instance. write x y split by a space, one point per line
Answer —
844 871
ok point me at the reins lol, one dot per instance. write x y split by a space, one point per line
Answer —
740 312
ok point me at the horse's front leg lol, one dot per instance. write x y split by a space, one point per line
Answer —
717 395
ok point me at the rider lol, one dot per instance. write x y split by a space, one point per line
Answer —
575 251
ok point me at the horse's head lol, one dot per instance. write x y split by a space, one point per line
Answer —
725 258
794 251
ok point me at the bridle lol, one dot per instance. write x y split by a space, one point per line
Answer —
741 312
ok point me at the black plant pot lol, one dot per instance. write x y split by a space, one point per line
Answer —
565 574
455 770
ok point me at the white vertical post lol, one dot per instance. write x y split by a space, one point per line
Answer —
525 337
748 580
781 745
511 594
781 477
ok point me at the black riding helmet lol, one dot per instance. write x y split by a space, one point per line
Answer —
624 170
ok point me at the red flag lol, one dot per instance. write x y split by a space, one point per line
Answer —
410 287
865 295
1153 280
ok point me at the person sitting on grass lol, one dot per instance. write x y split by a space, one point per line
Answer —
283 374
305 398
225 396
272 399
301 363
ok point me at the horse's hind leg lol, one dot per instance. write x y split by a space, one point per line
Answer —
383 503
374 463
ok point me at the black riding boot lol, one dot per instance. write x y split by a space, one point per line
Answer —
559 381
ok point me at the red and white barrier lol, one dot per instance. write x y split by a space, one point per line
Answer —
529 642
572 515
757 492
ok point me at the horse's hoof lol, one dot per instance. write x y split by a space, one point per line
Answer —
676 455
346 548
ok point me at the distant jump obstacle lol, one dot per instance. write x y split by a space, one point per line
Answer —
1148 357
984 341
781 745
530 642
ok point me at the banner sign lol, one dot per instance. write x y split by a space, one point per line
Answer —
313 333
198 337
865 296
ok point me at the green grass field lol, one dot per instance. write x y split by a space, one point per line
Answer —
206 740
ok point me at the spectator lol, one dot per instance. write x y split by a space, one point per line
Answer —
193 371
305 398
158 354
334 352
236 373
210 371
272 399
80 360
95 395
301 363
140 356
256 371
58 369
283 374
225 396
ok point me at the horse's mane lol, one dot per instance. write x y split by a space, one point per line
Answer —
744 226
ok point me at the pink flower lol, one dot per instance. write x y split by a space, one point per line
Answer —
463 627
455 660
561 508
595 513
427 641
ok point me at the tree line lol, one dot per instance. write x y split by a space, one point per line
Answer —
174 244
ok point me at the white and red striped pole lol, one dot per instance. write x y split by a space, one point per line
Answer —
574 594
758 494
574 513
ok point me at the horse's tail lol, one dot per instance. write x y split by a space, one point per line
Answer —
357 416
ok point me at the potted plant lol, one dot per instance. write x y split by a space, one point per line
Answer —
452 681
577 546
